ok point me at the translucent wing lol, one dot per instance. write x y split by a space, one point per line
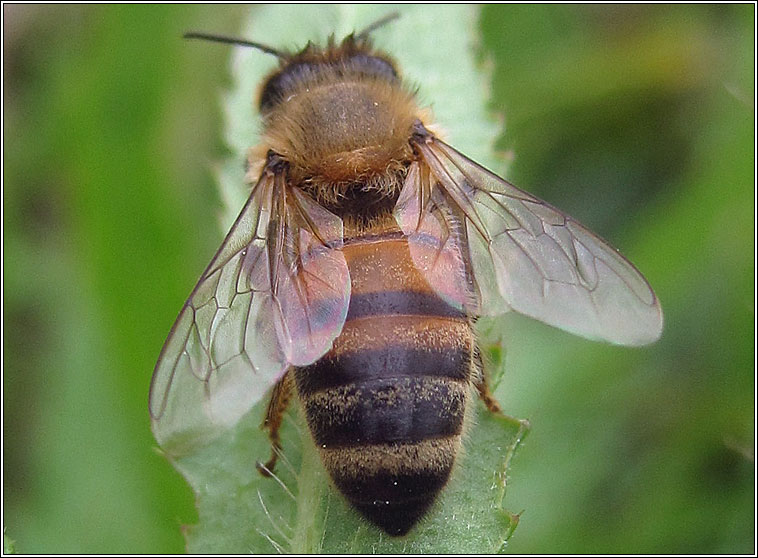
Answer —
275 294
435 238
523 254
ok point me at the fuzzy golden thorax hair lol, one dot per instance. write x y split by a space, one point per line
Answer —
342 119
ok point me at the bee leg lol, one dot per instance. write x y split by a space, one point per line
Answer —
486 396
480 381
280 397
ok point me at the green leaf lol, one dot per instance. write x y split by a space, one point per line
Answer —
299 510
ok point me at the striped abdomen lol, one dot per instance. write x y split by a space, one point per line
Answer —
386 405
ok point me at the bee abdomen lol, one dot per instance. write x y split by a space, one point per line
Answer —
389 438
386 405
387 410
392 485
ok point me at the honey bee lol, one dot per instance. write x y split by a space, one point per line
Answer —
353 276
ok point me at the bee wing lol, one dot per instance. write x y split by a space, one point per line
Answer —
260 306
435 238
525 255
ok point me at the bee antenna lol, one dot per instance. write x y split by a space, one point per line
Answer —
232 41
378 23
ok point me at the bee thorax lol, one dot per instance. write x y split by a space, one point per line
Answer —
335 135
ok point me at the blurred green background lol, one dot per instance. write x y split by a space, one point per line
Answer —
638 120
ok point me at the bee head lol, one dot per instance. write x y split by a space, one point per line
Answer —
354 57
